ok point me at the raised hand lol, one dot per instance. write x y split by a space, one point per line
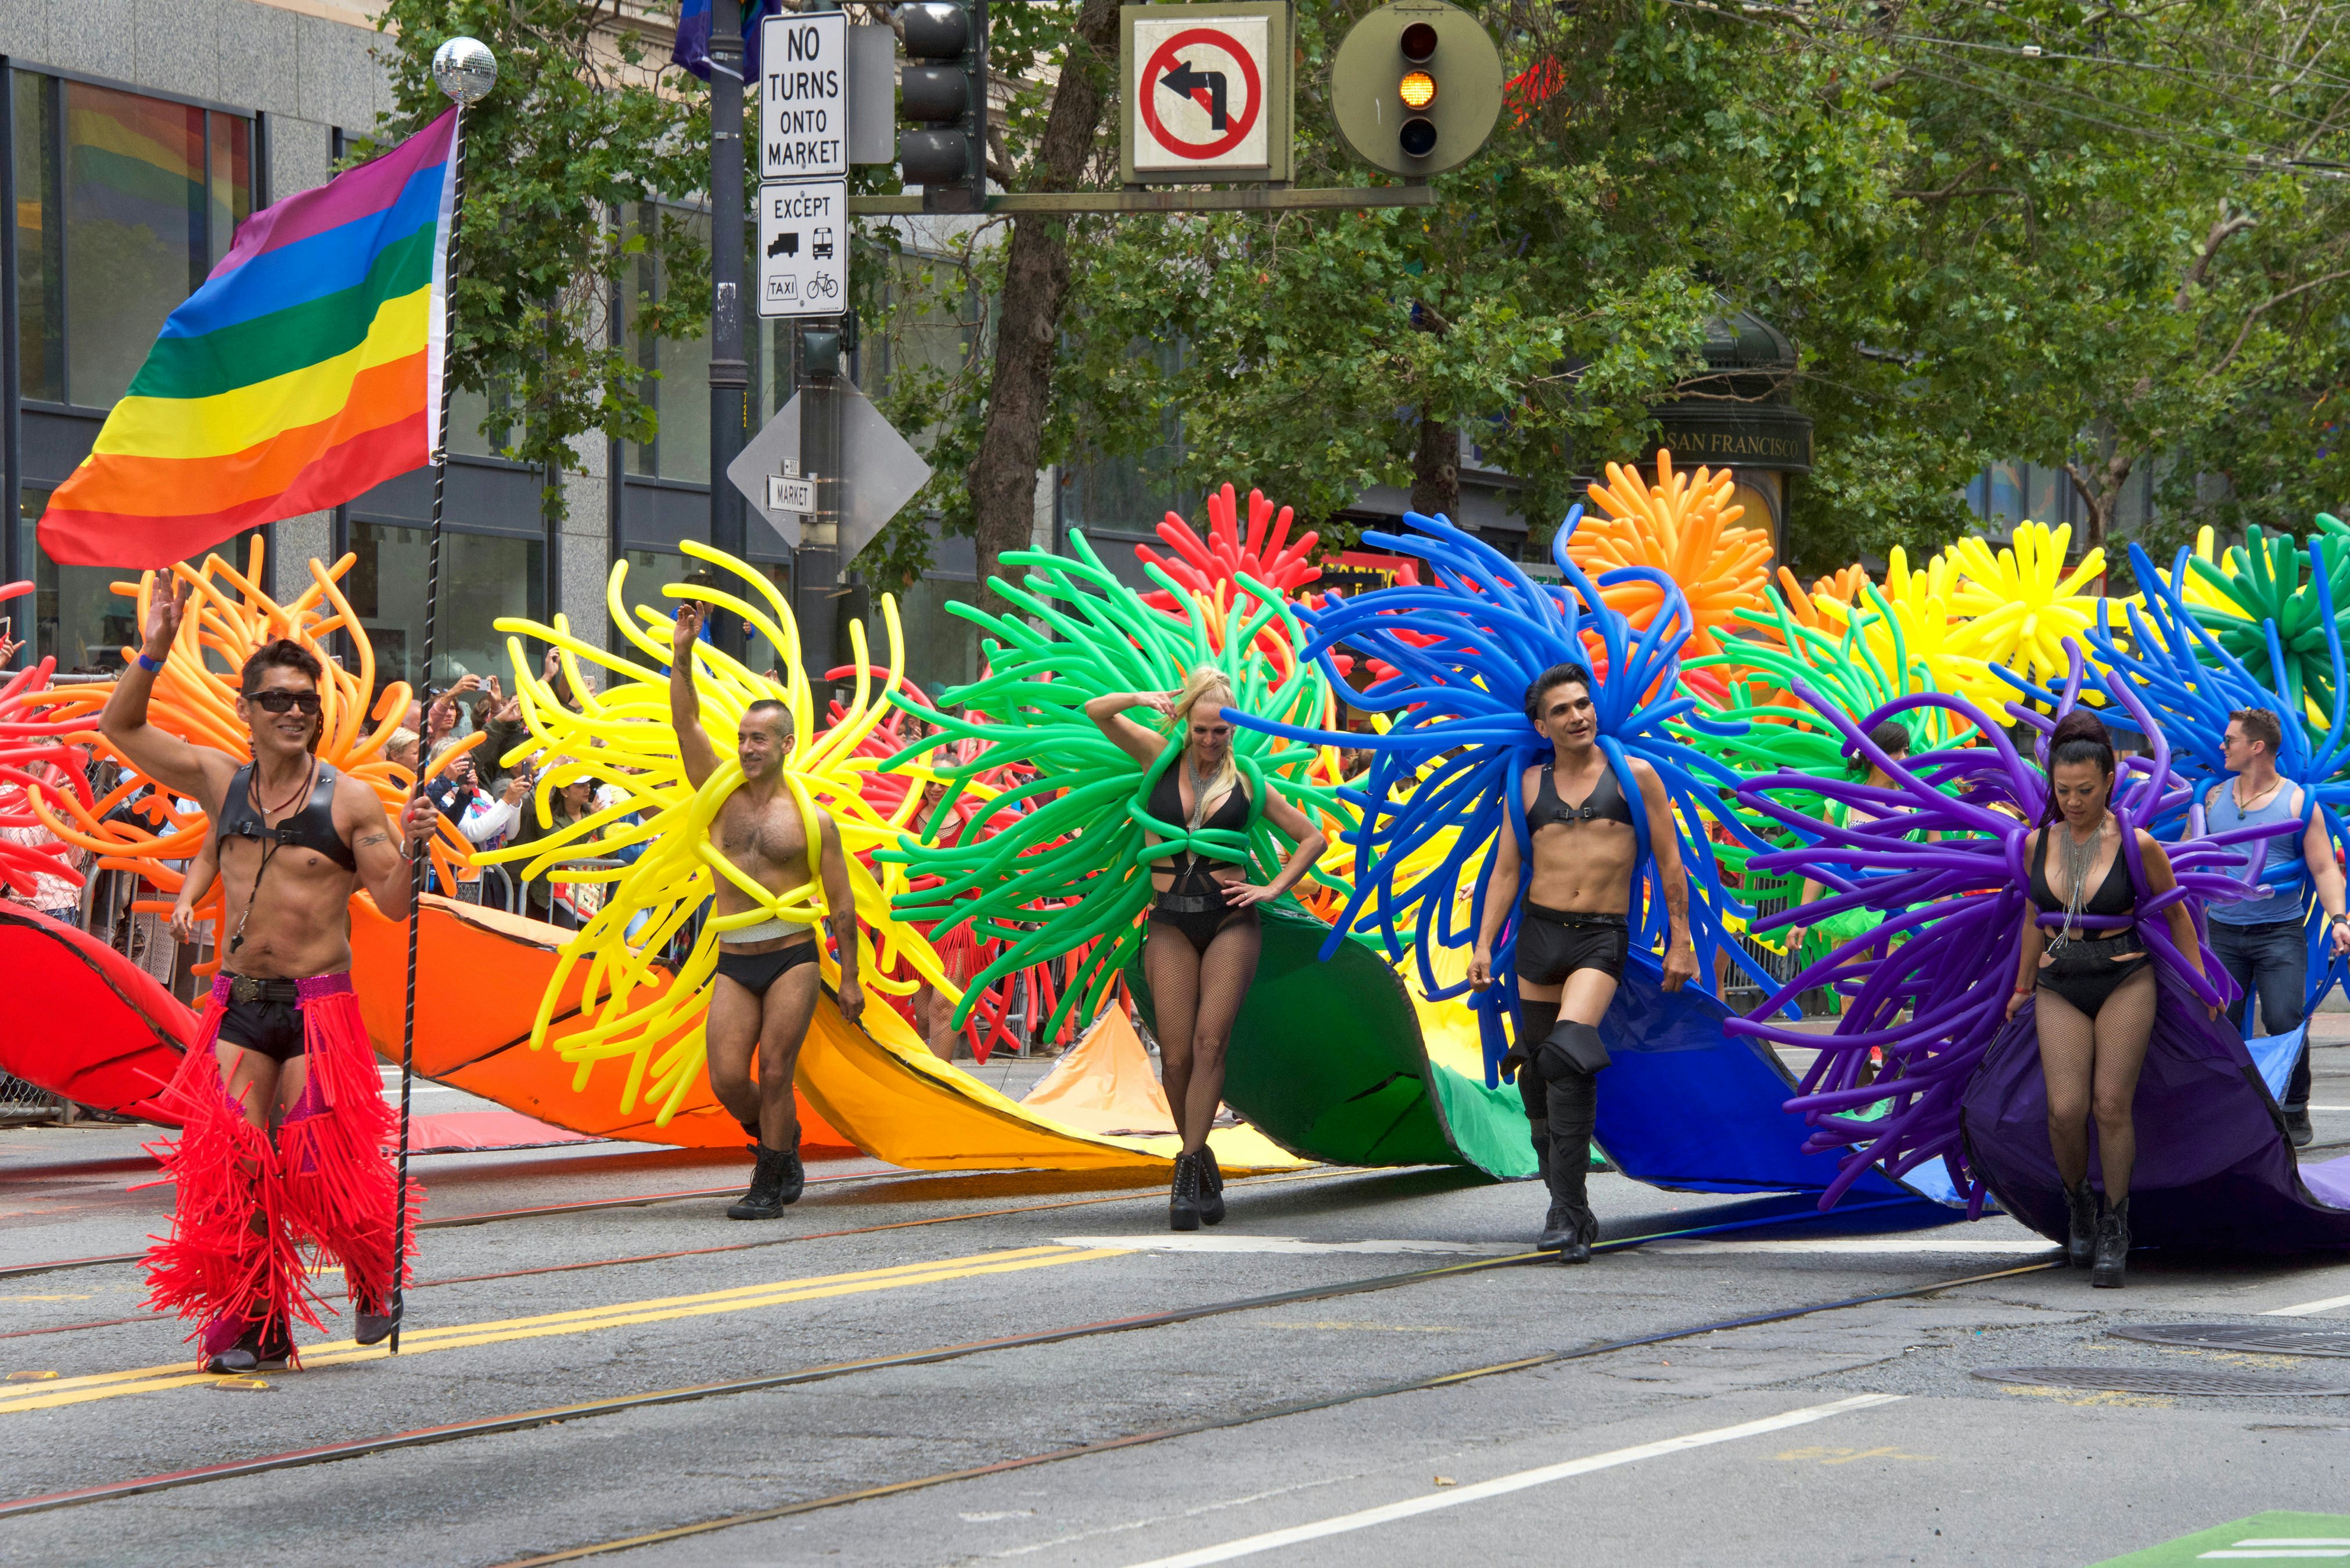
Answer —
164 613
687 631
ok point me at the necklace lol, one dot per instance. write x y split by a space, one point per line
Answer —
2243 805
309 775
2079 858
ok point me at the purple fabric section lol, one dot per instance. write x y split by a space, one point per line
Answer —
310 987
351 195
2214 1168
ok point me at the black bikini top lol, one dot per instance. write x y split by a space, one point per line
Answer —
2113 898
311 827
1231 815
1606 803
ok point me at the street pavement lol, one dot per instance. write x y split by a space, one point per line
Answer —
1855 1435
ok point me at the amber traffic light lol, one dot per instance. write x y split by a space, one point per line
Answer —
1416 86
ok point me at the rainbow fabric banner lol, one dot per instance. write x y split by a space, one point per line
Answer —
306 370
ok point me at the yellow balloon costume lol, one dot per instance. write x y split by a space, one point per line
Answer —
622 740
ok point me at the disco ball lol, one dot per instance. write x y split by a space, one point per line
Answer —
465 69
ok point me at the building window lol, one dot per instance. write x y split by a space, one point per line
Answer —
483 577
1131 495
78 618
677 373
125 204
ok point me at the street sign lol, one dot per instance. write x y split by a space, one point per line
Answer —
804 95
881 472
803 248
1207 93
785 493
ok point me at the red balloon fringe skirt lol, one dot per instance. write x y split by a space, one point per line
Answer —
250 1207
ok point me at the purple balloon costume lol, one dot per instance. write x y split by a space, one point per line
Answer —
1963 1085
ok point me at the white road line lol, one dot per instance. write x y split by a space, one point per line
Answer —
1454 1497
2308 1309
1164 1242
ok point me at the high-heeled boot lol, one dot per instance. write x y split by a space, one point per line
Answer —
1211 1187
2113 1246
1183 1199
2081 1236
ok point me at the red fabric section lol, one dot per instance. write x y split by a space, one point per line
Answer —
138 542
93 1026
248 1207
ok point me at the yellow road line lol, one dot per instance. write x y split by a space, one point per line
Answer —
618 1315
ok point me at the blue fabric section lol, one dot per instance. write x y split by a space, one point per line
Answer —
1685 1106
2274 1055
693 22
310 268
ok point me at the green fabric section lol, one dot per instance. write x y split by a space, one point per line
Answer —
2229 1537
288 339
1326 1061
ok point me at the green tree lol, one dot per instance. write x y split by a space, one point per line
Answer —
576 132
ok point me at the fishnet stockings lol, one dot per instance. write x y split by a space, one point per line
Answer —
2091 1067
1197 996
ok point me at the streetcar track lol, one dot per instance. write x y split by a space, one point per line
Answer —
1225 1423
1239 1183
492 1425
491 1217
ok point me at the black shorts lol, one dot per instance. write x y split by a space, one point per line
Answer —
271 1028
755 973
1554 943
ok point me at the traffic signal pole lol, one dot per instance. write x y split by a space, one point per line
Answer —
729 374
816 577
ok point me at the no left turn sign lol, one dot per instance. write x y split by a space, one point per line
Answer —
1199 96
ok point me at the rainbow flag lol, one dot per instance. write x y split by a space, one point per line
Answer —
306 370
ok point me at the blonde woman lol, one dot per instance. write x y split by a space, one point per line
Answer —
1200 953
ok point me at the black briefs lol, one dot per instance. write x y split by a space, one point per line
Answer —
1200 916
270 1022
754 973
1554 943
2088 970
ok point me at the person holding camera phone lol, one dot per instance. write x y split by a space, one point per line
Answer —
1573 936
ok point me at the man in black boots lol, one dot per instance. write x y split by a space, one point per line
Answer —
765 988
1573 934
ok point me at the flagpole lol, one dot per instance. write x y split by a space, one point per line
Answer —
466 70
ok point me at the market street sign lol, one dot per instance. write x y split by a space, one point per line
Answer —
879 473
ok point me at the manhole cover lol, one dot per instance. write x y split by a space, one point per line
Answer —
2273 1341
2157 1380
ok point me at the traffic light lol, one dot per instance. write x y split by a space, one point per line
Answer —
1416 87
944 90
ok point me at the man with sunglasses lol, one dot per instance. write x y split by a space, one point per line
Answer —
283 1113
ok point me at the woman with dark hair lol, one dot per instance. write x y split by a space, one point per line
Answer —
2092 983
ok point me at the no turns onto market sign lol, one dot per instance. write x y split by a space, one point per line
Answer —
1207 93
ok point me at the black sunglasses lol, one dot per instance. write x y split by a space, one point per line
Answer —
285 702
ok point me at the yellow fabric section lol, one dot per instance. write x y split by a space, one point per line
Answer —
233 421
897 1101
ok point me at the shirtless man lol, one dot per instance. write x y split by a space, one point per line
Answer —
1573 938
292 839
768 978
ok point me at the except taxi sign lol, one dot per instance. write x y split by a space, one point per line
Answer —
803 248
1207 93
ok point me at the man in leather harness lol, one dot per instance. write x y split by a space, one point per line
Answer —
1573 934
764 992
283 1118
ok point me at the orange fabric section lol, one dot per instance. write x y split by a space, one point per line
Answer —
1104 1083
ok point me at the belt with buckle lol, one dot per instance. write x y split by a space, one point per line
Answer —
245 988
1190 903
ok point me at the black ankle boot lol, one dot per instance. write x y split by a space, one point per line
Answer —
276 1347
765 1198
795 1174
2081 1237
1211 1187
240 1357
1183 1200
2113 1246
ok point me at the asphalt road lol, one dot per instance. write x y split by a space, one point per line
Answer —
1850 1436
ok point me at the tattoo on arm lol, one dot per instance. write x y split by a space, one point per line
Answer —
372 838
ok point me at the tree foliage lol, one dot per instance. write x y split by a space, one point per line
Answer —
574 134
